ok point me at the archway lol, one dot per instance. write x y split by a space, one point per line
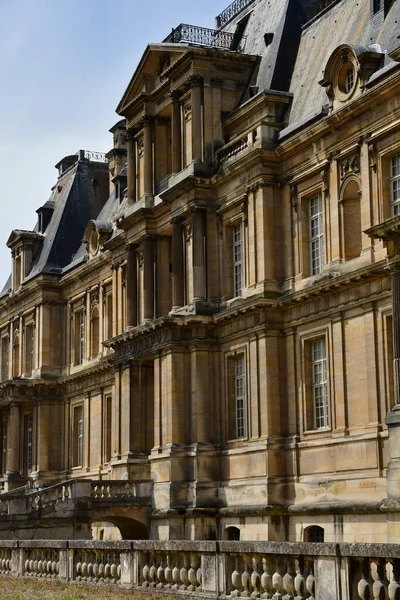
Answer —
314 533
232 534
351 220
119 528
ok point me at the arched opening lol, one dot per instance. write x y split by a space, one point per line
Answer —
119 528
314 533
232 534
351 217
94 342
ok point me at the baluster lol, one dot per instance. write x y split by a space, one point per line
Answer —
101 567
299 580
146 572
236 579
184 572
35 562
192 574
84 567
380 584
277 580
288 580
255 579
176 573
96 567
114 567
161 573
90 567
199 575
246 575
107 568
310 581
168 574
394 586
153 572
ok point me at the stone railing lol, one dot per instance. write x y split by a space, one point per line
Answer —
50 496
277 570
121 490
231 149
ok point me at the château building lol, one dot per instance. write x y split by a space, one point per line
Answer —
208 315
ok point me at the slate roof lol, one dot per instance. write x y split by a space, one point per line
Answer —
75 200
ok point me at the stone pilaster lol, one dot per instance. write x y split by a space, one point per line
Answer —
131 287
196 82
176 133
199 254
131 144
148 155
148 278
178 296
13 441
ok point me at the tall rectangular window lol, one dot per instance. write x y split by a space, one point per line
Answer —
29 350
28 438
319 383
240 396
79 337
107 429
4 423
237 260
316 235
4 358
78 437
395 185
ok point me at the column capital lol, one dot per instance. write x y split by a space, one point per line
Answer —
196 80
148 120
177 220
174 95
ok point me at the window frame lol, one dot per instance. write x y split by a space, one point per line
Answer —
237 264
319 378
237 403
317 218
78 435
308 412
394 179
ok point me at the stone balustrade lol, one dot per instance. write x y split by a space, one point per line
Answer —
232 148
270 570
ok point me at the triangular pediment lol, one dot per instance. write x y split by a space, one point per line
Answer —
156 59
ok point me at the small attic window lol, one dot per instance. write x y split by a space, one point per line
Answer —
238 35
346 78
268 37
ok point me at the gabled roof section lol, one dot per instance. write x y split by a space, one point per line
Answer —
149 72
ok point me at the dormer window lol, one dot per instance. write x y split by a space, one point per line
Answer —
24 246
347 72
349 79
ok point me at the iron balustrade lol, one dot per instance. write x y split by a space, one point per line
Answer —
192 34
232 10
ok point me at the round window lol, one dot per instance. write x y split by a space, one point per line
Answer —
346 80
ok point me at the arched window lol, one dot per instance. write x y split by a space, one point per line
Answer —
94 343
314 533
232 534
351 220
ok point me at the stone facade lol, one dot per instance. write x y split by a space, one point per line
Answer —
227 332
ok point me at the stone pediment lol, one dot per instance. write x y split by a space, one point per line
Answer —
148 76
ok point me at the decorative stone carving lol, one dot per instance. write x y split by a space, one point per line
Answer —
350 165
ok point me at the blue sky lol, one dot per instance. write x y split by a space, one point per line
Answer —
64 65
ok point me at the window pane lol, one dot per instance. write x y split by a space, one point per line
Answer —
319 383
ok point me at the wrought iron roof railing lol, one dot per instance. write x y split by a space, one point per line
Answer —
192 34
231 11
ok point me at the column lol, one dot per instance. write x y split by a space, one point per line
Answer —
131 145
196 82
199 258
13 440
176 133
131 287
148 155
148 278
178 298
